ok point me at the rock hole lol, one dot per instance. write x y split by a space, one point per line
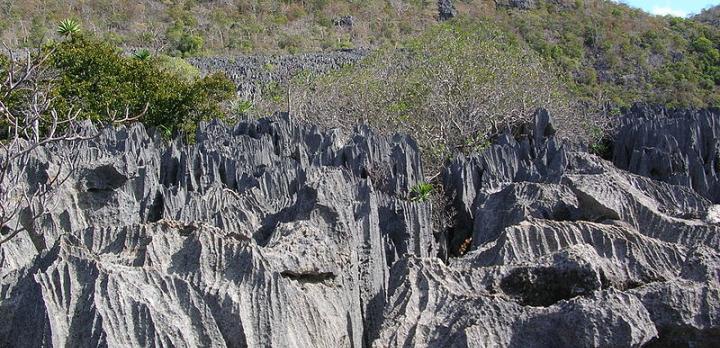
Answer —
156 209
545 286
308 277
103 178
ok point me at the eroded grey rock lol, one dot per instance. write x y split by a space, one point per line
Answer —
273 233
253 74
446 10
568 237
680 147
266 234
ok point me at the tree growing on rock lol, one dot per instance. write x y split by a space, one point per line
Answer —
45 95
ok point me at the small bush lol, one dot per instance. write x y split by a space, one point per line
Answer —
190 44
421 192
242 107
177 67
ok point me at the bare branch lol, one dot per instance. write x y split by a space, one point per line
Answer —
32 123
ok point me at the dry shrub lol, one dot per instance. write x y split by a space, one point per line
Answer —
452 88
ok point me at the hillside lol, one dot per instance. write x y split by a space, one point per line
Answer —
612 53
709 16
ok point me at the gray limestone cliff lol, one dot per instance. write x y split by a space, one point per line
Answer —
277 234
680 147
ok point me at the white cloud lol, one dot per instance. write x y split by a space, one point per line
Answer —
663 11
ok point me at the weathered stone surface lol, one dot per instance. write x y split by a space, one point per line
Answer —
273 233
556 230
446 10
519 4
344 21
435 305
268 234
680 147
253 73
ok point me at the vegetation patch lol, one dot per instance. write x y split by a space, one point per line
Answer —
421 192
86 75
452 88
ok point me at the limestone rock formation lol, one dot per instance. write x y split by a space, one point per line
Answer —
681 147
344 21
446 10
278 234
553 227
266 234
253 73
519 4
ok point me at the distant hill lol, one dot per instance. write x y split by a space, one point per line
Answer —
709 15
612 54
621 55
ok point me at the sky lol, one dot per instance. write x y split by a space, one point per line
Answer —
680 8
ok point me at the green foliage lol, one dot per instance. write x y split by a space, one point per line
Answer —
189 44
38 32
242 106
601 148
95 77
612 53
68 27
272 91
477 143
290 43
143 54
182 32
421 192
604 52
165 131
176 66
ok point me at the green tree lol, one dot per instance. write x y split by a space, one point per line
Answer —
95 77
182 33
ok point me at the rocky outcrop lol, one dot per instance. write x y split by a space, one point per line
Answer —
518 4
543 230
446 10
680 147
344 21
252 74
535 4
266 234
273 233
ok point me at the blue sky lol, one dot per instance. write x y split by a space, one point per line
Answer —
679 8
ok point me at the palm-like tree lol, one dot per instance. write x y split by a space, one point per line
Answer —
68 27
143 54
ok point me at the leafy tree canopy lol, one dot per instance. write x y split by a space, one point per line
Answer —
97 78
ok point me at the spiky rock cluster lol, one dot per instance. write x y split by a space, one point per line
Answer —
273 233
